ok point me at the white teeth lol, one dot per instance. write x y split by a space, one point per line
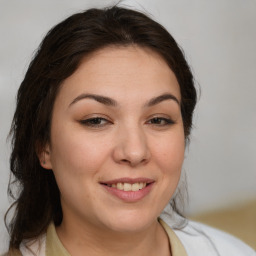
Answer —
135 187
120 186
129 187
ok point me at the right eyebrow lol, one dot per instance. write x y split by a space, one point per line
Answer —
101 99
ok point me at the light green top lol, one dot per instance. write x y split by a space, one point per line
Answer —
54 246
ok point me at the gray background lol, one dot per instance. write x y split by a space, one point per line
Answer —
219 39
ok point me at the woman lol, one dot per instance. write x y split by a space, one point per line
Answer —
102 119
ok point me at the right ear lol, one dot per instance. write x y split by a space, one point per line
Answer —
44 156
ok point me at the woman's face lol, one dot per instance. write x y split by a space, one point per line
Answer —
117 139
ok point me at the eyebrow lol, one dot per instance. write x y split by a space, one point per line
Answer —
163 97
101 99
112 103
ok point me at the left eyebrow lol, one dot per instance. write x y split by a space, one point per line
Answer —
161 98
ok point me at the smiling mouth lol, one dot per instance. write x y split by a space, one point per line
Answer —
129 189
128 186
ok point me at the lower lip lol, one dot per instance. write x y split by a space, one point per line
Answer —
130 196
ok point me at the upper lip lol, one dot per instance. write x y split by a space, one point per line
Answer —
128 180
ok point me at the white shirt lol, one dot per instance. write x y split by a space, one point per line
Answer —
202 240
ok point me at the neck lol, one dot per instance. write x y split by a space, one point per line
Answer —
79 238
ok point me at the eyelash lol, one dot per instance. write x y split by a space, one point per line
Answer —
167 121
95 122
92 122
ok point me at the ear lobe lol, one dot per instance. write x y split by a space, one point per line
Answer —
45 158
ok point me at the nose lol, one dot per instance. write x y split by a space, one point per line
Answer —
131 147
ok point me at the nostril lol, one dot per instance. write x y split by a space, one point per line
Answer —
125 160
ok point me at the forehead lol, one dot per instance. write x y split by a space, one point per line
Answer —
121 72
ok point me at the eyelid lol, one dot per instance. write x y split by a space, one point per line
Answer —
160 115
166 118
96 115
86 120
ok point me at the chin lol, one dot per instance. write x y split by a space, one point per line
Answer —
131 221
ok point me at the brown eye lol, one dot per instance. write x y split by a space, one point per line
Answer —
95 122
161 121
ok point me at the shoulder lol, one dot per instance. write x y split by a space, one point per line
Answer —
34 247
29 248
217 240
13 252
202 240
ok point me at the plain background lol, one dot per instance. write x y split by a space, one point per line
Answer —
219 40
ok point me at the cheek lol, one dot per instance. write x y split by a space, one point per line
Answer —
77 153
76 162
169 157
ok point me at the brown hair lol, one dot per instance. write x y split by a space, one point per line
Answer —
59 55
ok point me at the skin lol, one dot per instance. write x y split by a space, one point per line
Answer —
132 140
